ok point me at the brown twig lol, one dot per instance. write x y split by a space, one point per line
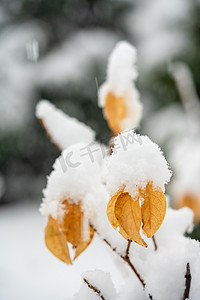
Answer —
127 260
128 248
154 242
188 279
94 289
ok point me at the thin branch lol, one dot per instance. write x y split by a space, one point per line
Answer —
94 289
188 279
128 248
127 260
154 242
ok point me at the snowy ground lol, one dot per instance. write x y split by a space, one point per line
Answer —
29 271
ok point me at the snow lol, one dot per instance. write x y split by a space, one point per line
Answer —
74 176
102 282
62 129
135 161
121 74
86 293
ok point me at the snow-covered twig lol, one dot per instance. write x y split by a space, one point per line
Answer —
188 279
94 289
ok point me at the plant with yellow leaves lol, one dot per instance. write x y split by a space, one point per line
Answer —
117 193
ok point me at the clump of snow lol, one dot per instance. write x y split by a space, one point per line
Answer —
102 282
62 129
135 161
121 74
74 175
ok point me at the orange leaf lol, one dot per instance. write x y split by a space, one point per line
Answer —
115 111
153 209
111 210
111 215
56 241
72 223
83 245
128 214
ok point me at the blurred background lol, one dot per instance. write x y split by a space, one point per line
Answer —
58 50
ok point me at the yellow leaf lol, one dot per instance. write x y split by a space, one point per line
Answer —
72 223
128 214
111 215
115 111
153 209
111 210
56 241
83 245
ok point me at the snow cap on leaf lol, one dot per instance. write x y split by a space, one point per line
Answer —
118 95
62 129
136 174
74 178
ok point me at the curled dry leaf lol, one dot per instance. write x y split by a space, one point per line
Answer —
115 111
84 244
69 230
56 241
153 209
126 213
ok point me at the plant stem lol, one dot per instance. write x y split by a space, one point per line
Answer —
154 242
127 260
188 279
94 289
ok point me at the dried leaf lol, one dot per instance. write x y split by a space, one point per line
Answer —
128 214
72 223
111 210
111 215
153 209
56 241
83 245
115 111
